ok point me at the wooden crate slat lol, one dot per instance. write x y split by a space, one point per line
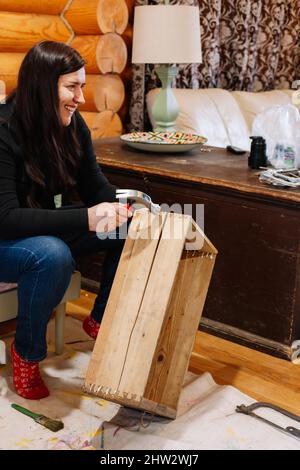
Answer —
107 323
197 240
178 334
146 332
124 301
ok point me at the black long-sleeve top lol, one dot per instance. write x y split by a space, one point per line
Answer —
17 220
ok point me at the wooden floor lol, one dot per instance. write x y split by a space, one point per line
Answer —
263 377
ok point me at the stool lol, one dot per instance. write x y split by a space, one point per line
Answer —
9 309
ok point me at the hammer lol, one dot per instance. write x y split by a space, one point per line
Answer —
138 197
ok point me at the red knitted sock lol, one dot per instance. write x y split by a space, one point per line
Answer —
26 377
91 326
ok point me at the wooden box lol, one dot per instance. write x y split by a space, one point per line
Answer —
147 333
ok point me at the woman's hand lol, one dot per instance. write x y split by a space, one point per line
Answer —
107 216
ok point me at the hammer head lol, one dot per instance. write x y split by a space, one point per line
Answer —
139 198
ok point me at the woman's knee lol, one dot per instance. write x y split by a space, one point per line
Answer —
54 254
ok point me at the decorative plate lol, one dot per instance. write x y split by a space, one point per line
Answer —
168 142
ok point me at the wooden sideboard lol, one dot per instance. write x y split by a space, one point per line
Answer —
254 295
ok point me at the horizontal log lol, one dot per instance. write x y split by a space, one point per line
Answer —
110 87
9 68
106 53
97 16
82 17
86 46
89 118
10 62
20 31
103 92
89 91
105 124
44 7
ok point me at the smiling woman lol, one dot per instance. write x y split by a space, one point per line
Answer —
46 155
44 70
70 94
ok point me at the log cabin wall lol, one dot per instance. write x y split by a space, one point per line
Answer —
101 31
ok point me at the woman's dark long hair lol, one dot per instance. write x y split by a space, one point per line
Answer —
48 145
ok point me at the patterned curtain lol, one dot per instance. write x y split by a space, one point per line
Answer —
251 45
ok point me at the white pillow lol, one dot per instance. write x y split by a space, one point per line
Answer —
294 96
210 112
253 103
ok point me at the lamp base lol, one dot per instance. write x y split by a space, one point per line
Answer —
165 108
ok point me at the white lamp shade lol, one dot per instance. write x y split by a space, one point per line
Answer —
166 34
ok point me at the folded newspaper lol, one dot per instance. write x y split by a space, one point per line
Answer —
285 178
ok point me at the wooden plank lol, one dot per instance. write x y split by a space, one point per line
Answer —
237 357
146 331
139 403
197 240
107 321
110 350
183 316
258 387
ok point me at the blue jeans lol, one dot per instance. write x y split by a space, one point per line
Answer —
42 266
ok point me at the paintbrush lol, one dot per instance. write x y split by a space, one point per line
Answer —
48 423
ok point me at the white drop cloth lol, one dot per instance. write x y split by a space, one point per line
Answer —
207 417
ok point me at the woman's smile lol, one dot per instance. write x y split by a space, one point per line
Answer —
71 109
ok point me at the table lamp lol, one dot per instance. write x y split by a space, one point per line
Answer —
165 35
